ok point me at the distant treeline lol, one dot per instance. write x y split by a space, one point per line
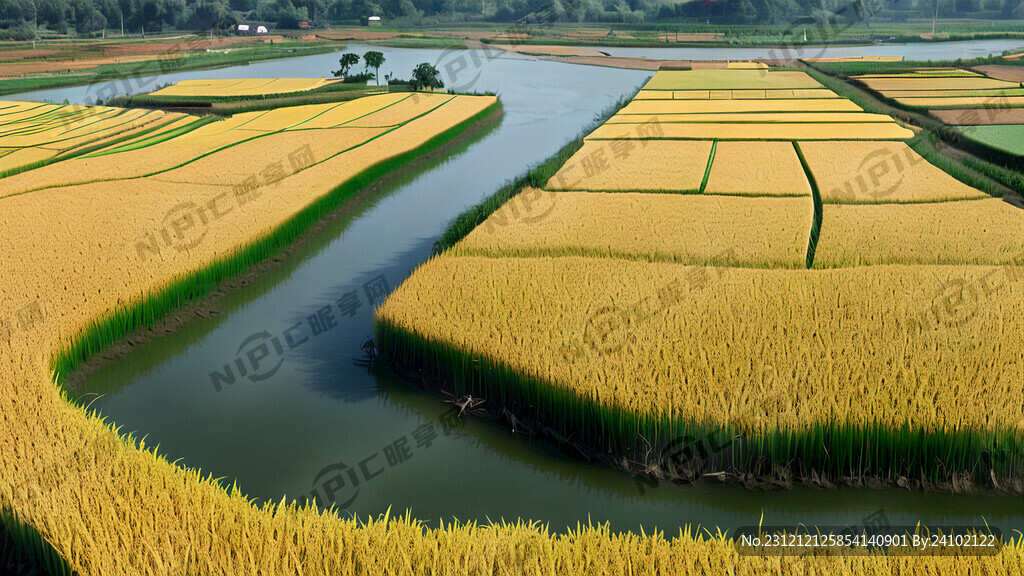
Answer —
20 19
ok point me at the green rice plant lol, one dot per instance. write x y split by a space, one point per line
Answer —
24 551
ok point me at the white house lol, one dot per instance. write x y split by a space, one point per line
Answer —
242 28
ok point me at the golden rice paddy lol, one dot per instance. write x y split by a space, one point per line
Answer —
879 172
972 232
773 131
757 169
841 343
32 132
243 87
752 118
649 165
733 94
926 83
674 311
655 107
689 229
729 80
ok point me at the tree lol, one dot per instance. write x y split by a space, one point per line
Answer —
348 60
374 60
426 76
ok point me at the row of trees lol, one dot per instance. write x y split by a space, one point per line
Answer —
424 75
85 16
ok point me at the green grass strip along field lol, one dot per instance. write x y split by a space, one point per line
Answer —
707 170
812 242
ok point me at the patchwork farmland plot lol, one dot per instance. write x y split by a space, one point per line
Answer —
791 293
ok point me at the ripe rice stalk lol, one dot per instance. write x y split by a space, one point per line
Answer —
757 169
655 165
880 172
969 232
766 131
659 107
688 229
655 350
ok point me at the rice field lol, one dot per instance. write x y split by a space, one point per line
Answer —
887 83
879 172
752 118
962 101
243 86
729 80
711 230
757 169
645 289
162 152
634 338
993 95
32 133
658 107
788 131
983 232
649 165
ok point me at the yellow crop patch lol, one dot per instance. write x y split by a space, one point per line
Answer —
772 131
879 172
854 345
926 83
729 80
752 118
243 87
980 101
976 232
665 165
654 107
689 229
757 169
